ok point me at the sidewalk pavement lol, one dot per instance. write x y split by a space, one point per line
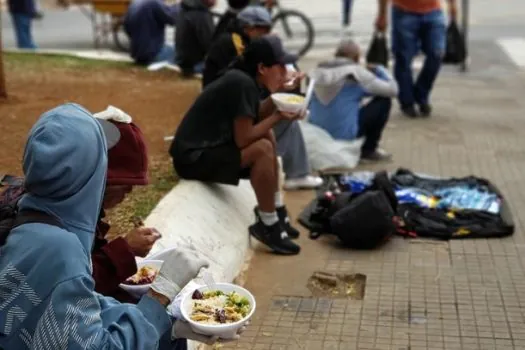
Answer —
420 294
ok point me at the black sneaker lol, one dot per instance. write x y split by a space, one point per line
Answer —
425 110
409 111
292 232
275 237
282 213
379 155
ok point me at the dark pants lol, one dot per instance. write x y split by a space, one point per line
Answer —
372 120
22 26
347 11
410 33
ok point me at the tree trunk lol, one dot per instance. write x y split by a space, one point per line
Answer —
3 91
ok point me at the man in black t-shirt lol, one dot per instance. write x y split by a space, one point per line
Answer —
227 135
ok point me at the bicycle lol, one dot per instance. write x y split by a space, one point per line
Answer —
284 17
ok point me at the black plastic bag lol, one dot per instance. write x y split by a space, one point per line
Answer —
378 51
456 50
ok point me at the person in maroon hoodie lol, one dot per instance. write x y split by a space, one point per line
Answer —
114 261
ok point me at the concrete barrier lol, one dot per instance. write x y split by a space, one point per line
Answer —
212 219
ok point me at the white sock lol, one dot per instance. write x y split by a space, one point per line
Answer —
268 218
279 199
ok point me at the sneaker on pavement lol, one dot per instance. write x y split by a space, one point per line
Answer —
409 111
282 213
275 237
307 182
379 155
425 110
284 219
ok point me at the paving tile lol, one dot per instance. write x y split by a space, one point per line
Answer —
457 295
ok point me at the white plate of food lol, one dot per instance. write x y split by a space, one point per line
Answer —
218 311
139 284
286 102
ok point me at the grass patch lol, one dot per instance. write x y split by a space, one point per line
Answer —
140 202
32 60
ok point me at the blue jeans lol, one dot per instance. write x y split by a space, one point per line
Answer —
410 33
22 26
167 53
372 120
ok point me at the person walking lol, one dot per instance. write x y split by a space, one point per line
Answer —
22 14
416 25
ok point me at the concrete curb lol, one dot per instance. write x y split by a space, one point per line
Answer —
104 55
212 219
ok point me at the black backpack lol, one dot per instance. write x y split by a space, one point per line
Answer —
360 221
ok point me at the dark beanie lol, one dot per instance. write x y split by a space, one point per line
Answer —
128 159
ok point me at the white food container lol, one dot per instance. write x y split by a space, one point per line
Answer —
138 290
226 330
279 99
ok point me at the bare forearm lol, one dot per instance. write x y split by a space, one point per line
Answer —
266 108
257 132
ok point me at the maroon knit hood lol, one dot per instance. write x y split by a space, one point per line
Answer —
128 159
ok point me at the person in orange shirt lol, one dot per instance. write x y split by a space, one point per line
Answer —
416 25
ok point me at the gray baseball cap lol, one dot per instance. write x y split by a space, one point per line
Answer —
255 16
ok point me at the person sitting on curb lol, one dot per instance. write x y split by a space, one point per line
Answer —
145 24
113 262
22 14
341 85
48 261
227 135
229 18
194 34
254 22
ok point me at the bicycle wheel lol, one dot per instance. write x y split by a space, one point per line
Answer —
120 38
297 31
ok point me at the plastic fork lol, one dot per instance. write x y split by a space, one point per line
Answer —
208 279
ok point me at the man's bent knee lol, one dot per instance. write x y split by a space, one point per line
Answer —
264 147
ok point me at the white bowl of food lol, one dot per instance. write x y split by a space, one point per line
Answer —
139 284
220 311
286 102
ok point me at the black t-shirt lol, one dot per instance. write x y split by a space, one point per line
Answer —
210 120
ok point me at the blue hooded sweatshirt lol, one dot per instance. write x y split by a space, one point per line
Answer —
145 24
340 87
47 298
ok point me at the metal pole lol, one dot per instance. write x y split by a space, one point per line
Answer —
465 25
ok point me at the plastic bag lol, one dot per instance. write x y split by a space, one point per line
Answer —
115 114
378 51
326 153
455 51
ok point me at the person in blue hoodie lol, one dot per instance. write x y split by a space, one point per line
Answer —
47 298
341 85
145 24
22 14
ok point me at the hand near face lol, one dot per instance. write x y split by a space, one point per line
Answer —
293 80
